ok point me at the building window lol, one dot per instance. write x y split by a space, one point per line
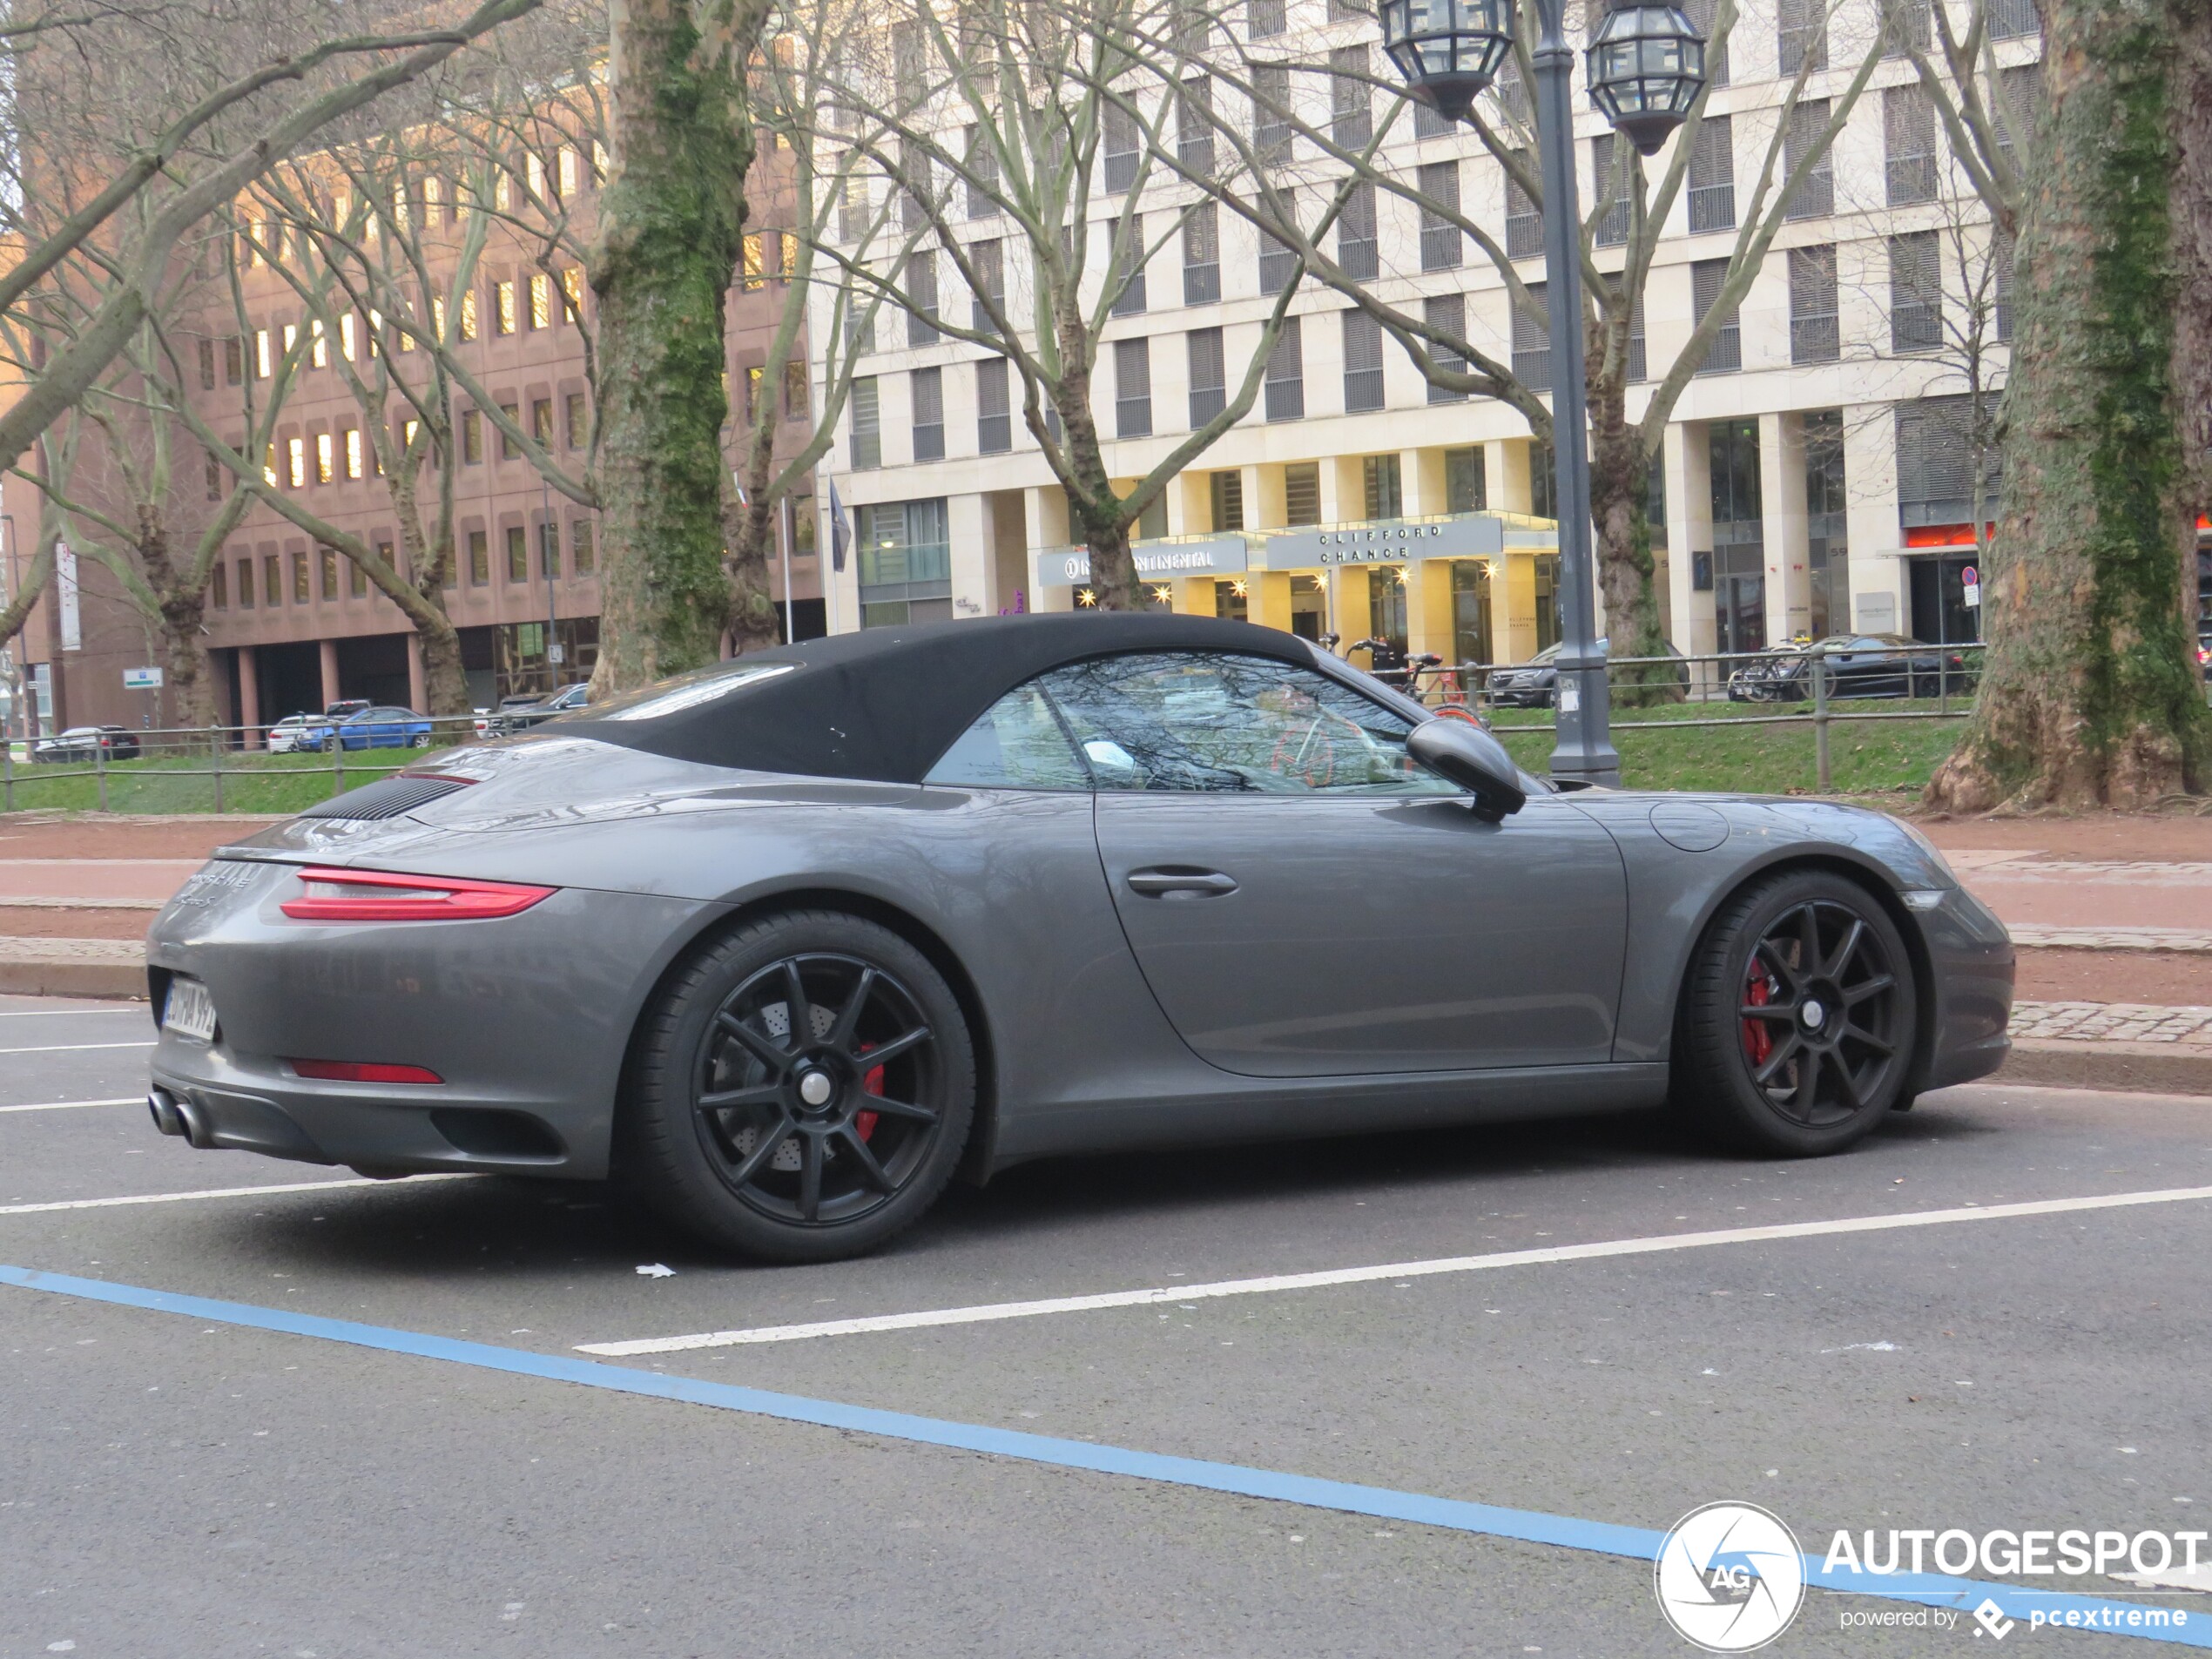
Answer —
328 557
1908 131
581 553
1194 125
904 553
1532 341
993 407
1814 336
1905 27
1802 32
541 312
1814 196
1119 148
1638 368
246 584
1278 264
1358 249
2000 259
1271 119
263 365
1427 124
1612 174
2014 19
578 420
927 388
988 260
271 580
299 595
1702 15
219 592
352 452
1265 19
1202 256
867 430
1363 363
1380 482
214 479
479 559
1466 486
1916 292
1226 491
1524 225
1287 374
325 457
1725 354
357 578
753 263
1712 176
1302 493
1445 315
1733 447
1351 97
1132 388
982 174
2020 105
1128 266
1209 375
549 550
1442 241
1937 441
922 295
234 361
572 291
295 462
472 437
541 421
518 553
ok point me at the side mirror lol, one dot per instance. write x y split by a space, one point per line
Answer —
1466 755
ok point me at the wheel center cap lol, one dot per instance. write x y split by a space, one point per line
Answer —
815 1087
1814 1016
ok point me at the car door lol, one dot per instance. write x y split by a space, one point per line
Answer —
1303 901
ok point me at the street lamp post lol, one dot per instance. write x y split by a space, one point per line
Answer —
1646 66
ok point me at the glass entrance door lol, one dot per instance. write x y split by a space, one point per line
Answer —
1739 608
1940 614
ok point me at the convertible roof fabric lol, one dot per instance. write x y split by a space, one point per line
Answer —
883 705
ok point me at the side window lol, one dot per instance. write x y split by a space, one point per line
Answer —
1219 723
1015 744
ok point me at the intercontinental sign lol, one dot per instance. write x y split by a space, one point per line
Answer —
1471 535
1069 567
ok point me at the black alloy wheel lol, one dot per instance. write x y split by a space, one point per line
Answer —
802 1091
1798 1020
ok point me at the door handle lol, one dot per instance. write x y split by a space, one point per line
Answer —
1170 883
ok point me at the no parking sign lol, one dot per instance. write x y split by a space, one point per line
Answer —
1971 577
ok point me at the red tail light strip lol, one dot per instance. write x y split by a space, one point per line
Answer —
386 895
358 1071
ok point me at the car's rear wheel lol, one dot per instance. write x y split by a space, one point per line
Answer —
1797 1020
801 1091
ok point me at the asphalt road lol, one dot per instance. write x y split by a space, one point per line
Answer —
172 1484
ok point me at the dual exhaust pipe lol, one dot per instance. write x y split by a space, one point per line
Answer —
176 1115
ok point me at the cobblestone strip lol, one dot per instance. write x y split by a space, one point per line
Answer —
2112 1022
2030 936
16 949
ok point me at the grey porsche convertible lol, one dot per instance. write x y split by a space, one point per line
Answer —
787 944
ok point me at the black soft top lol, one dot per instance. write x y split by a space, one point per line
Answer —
883 705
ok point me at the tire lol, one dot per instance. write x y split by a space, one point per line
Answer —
1761 1060
419 741
802 1159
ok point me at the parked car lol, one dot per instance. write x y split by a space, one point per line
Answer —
1533 685
87 742
284 736
345 708
790 940
373 728
1857 665
538 711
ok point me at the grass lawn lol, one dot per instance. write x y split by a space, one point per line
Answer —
252 783
1865 756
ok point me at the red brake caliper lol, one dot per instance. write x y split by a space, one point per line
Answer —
871 1084
1758 1041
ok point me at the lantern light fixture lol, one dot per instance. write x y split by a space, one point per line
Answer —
1448 51
1645 69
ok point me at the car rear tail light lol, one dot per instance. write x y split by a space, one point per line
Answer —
363 1071
384 896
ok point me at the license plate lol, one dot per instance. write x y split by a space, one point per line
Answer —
190 1012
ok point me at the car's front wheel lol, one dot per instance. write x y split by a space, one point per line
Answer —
802 1089
1798 1022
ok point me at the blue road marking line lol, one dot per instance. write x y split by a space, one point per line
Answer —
1527 1526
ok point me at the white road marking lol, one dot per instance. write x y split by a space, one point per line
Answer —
215 1192
991 1312
65 1105
79 1047
54 1013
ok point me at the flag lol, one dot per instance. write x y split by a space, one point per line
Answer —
840 530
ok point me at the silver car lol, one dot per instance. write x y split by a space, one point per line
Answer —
789 943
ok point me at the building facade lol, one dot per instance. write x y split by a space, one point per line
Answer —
1816 471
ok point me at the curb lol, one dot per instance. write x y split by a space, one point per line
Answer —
2145 1068
102 968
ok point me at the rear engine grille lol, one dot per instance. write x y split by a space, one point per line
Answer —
387 798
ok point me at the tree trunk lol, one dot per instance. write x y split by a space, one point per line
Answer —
1619 492
2091 694
754 623
1094 511
180 609
671 229
17 611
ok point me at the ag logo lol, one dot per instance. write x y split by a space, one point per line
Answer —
1729 1577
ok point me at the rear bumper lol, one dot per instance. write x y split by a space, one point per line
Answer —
525 1018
